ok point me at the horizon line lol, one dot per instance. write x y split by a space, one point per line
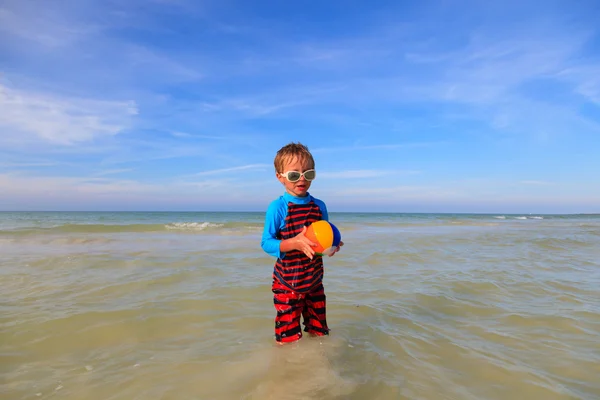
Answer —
330 212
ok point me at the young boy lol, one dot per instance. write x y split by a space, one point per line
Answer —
298 272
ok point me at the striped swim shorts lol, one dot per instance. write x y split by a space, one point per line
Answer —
292 305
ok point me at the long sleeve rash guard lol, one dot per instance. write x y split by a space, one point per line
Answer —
275 220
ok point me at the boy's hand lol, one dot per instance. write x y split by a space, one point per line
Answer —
337 249
304 244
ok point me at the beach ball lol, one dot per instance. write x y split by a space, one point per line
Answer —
325 235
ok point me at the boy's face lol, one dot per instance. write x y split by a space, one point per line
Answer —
299 188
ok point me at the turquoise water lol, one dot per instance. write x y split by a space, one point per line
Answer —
22 222
178 305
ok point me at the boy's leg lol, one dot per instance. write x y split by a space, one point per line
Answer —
315 320
289 307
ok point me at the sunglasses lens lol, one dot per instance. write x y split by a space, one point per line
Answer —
310 175
293 176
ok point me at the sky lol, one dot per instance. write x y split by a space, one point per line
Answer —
173 105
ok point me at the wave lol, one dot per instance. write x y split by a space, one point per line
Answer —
194 226
189 227
519 217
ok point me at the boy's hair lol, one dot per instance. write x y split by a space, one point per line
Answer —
291 151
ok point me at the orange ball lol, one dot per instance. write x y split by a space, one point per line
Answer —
325 235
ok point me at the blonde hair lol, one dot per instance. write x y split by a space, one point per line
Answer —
290 152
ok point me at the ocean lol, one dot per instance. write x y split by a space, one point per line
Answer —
153 305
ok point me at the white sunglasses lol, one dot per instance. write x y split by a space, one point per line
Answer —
294 176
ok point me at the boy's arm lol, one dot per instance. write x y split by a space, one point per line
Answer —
270 243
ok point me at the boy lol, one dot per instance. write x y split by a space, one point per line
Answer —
298 273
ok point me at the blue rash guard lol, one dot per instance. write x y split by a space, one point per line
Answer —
275 220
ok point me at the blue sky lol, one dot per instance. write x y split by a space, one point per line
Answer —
430 106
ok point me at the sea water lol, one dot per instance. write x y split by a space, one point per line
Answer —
178 306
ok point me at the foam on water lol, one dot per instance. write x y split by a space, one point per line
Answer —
192 225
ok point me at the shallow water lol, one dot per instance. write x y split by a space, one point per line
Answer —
178 305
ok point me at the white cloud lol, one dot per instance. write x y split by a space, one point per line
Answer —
67 192
403 192
537 183
233 169
389 146
365 173
43 27
32 186
255 107
59 119
587 80
112 172
144 60
22 184
27 164
179 134
487 70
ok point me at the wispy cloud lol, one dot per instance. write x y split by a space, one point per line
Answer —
537 183
112 172
362 147
52 28
26 164
233 169
61 120
20 191
195 136
586 79
366 173
19 184
253 107
144 60
395 193
273 99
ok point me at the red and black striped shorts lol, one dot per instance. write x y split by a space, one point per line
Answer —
291 305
